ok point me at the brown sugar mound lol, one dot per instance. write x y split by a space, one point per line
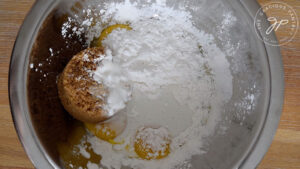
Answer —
77 90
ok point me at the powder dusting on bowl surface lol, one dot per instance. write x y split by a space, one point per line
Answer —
165 73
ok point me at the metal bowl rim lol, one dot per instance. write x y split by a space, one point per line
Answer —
32 145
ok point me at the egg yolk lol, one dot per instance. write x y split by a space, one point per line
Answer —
101 131
98 41
151 144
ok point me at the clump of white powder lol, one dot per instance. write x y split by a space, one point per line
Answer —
116 80
163 73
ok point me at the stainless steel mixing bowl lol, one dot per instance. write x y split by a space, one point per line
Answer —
257 70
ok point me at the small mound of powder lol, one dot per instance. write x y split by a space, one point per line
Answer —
116 80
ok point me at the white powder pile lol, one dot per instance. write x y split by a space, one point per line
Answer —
164 73
116 80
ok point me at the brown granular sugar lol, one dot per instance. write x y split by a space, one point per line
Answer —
77 89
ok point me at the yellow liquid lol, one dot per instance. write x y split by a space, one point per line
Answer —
69 151
98 41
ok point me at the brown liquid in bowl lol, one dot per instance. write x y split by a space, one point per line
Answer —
51 122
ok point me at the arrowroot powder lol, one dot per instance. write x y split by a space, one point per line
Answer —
164 74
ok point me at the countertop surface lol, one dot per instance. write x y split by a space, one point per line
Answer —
284 152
